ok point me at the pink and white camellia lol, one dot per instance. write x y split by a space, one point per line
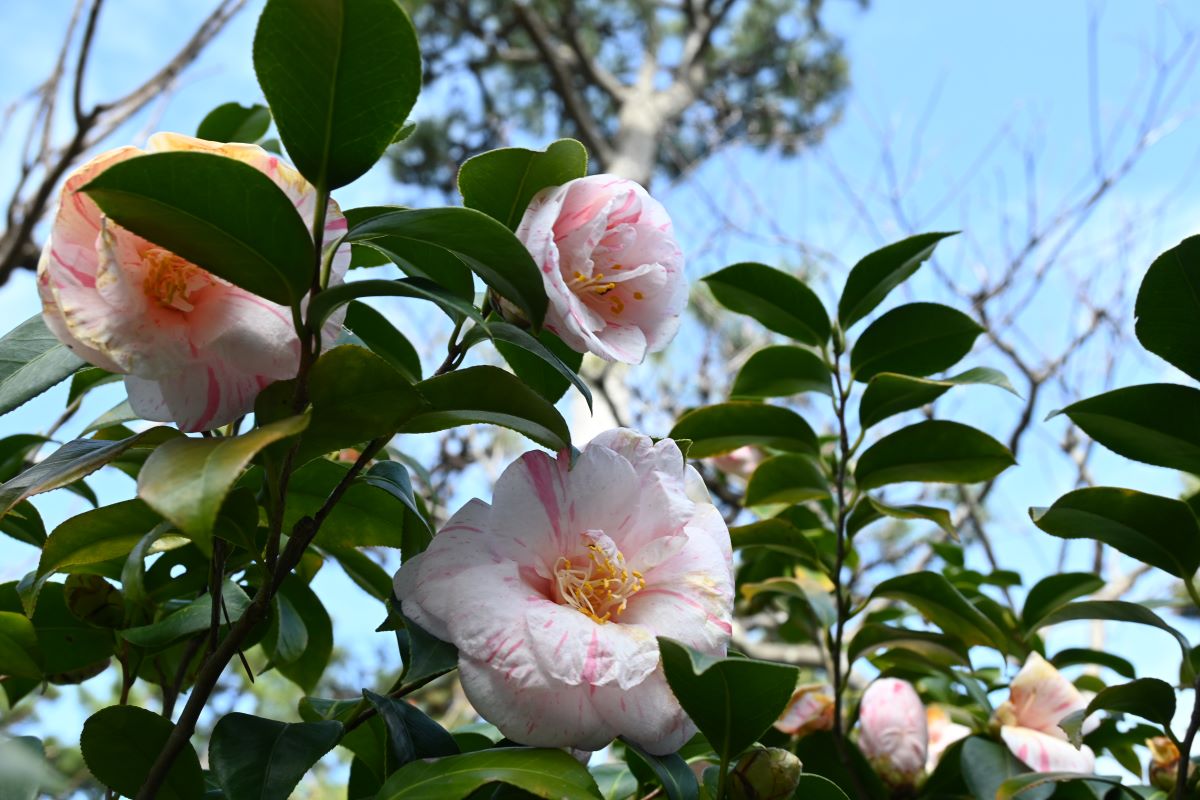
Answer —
612 269
892 731
943 732
1039 697
809 710
555 592
194 349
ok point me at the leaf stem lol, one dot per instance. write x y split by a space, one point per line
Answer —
1189 583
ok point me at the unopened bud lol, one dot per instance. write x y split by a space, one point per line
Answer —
1164 763
809 710
767 773
894 735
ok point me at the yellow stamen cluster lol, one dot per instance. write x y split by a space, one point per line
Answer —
170 279
601 587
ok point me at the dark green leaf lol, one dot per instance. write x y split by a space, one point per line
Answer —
888 394
934 646
673 773
1149 698
254 758
934 451
392 477
879 272
196 616
419 288
1156 423
733 701
306 671
789 478
782 371
31 361
816 787
20 655
820 756
1055 591
986 765
425 657
411 734
776 534
218 213
1042 784
121 743
1118 611
548 774
543 362
1079 655
944 606
341 78
384 340
915 339
490 395
286 638
776 299
233 122
1168 307
87 379
938 516
490 250
500 183
728 426
97 536
366 516
24 524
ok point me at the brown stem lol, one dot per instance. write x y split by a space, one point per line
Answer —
1185 747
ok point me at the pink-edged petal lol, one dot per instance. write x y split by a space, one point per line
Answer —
620 342
77 221
648 714
199 398
232 325
574 649
553 717
1040 696
1045 753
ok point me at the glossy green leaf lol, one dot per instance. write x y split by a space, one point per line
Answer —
888 393
24 524
393 478
1168 307
782 371
254 758
187 480
733 701
1073 656
286 638
817 787
366 516
490 395
1043 784
97 536
943 605
1159 531
87 379
500 183
936 647
671 771
1149 698
776 534
411 734
121 743
822 758
1156 423
414 288
341 78
384 339
425 657
776 299
545 773
306 671
1055 591
911 511
986 765
233 122
218 213
20 655
489 249
1117 611
934 451
31 361
788 478
196 616
877 273
915 339
415 259
543 362
727 426
72 461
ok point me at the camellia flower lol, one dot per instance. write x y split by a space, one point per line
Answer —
943 732
195 349
555 592
1039 698
740 463
809 710
612 269
892 731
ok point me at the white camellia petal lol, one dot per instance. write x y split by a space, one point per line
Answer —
1045 753
647 714
575 650
1040 697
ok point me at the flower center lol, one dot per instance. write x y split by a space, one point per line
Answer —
597 286
171 280
600 584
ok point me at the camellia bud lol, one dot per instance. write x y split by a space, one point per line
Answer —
893 732
809 710
767 773
1164 763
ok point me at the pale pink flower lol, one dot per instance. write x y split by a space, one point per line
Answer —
809 710
740 463
892 731
555 592
612 269
194 349
1039 698
943 732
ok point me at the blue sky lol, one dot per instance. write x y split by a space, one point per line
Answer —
962 91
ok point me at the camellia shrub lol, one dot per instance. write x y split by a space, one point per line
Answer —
587 609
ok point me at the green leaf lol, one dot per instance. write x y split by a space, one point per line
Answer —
728 426
540 361
789 478
1168 307
24 524
1042 784
419 288
782 371
425 657
776 299
72 650
986 765
233 122
915 339
121 743
31 361
1118 611
944 606
879 272
87 379
96 536
411 734
1073 656
1055 591
1149 698
254 758
500 183
673 773
776 534
341 78
544 773
366 515
1159 531
415 259
487 394
384 339
286 638
1156 423
196 616
820 756
733 701
938 516
816 787
935 647
20 655
75 460
888 393
934 451
490 250
306 671
392 477
220 214
187 480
